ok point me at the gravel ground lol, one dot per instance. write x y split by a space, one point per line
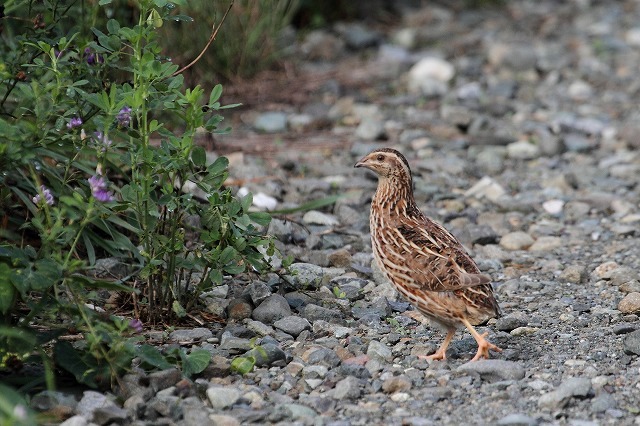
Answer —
521 127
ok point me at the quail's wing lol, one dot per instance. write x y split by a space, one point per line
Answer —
435 260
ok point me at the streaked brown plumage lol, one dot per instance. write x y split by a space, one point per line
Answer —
425 263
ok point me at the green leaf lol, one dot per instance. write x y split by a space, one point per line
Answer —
152 356
219 166
83 366
215 93
113 26
7 290
195 362
104 2
103 284
261 218
91 252
182 18
311 205
199 156
178 309
243 365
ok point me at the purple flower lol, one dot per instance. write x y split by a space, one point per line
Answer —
124 117
92 58
74 122
136 325
99 189
101 141
44 194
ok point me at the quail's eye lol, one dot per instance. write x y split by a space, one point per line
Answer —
380 157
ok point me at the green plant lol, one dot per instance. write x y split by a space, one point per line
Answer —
339 293
97 159
249 36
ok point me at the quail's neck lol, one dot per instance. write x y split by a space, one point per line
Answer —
395 196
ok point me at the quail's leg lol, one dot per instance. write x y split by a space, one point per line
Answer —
440 354
483 344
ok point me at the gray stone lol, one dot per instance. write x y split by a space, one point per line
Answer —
603 402
517 419
631 343
48 399
379 351
478 234
259 328
295 411
223 420
282 230
315 372
546 243
314 217
357 36
622 275
258 291
347 388
133 384
136 405
111 267
578 143
271 122
218 291
75 421
512 321
523 150
320 45
111 414
159 380
517 240
273 308
217 306
100 409
560 397
222 397
370 129
234 344
314 313
306 275
292 325
430 76
486 188
493 370
191 335
624 328
322 356
267 354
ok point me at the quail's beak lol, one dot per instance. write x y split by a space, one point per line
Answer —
361 163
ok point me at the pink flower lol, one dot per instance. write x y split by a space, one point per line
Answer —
99 189
136 325
44 195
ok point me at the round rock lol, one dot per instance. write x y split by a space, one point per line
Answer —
516 241
292 325
222 397
631 343
273 308
493 370
630 304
